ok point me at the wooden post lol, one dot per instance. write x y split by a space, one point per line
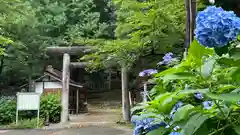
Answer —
188 19
145 92
193 8
130 99
65 87
125 96
109 80
77 102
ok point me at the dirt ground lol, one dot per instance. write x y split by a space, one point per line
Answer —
73 131
101 119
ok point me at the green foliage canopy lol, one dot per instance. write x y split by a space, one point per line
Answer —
148 27
32 25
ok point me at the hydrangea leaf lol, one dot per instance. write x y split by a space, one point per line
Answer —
179 76
159 131
226 88
235 53
183 93
171 71
230 97
193 124
163 102
236 91
182 112
137 108
236 75
196 52
207 67
203 130
228 62
237 129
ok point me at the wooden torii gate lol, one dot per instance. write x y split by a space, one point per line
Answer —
81 50
66 52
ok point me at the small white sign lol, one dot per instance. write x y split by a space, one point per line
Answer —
28 101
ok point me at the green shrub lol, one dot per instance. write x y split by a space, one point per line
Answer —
7 110
50 108
27 123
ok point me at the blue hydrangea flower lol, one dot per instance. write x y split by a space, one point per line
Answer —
174 133
148 72
207 104
167 59
215 28
138 130
151 126
198 96
175 108
145 125
134 119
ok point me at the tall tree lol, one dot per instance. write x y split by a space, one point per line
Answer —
35 24
143 28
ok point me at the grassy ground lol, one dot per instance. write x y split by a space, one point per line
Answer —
24 124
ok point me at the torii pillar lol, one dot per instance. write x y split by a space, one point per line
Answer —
66 52
65 88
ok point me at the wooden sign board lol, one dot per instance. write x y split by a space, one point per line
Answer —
28 101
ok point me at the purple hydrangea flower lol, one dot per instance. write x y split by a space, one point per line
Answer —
215 28
174 133
167 59
198 96
207 104
148 72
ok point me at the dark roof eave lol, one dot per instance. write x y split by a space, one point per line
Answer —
60 80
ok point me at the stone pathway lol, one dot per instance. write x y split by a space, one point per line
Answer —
102 120
3 131
73 131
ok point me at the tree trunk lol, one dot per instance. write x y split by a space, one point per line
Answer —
30 80
1 64
65 87
125 96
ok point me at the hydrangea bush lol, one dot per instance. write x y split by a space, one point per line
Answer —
200 95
